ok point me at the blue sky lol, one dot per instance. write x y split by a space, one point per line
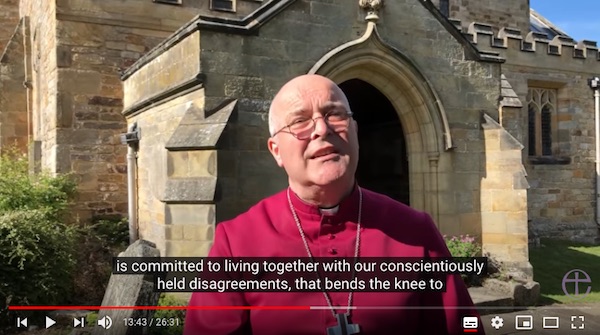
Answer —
578 18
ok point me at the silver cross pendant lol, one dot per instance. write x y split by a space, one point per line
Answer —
343 328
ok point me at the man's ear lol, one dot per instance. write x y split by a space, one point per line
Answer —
274 149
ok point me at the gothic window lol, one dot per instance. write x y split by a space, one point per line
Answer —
223 5
541 115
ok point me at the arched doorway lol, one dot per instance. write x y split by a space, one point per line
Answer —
383 163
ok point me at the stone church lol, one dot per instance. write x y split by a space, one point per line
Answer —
478 112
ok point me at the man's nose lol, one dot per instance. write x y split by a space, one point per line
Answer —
321 128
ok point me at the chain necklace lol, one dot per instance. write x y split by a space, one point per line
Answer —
356 248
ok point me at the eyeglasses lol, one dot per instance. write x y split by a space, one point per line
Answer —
302 127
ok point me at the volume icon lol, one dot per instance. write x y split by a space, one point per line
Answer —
105 322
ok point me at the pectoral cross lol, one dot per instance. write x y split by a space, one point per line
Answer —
343 328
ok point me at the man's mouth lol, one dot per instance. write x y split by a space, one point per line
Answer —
325 152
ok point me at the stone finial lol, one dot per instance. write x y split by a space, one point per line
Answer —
372 7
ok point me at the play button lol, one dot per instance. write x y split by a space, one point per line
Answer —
49 322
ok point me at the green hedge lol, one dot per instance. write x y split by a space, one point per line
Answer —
36 242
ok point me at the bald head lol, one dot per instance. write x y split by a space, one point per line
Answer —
298 88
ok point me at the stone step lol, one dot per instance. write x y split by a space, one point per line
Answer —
487 299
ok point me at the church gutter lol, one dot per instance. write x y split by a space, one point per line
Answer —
595 86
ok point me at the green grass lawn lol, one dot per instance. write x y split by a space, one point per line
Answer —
554 258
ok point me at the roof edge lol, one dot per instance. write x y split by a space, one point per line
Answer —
471 52
248 25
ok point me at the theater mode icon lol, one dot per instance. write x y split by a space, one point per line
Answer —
550 322
470 324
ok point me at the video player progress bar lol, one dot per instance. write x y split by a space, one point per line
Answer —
278 308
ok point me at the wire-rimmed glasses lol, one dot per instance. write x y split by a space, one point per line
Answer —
302 128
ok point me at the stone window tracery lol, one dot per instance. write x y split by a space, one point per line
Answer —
542 109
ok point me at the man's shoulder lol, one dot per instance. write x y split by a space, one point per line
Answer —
385 206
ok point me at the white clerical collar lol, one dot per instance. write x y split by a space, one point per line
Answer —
329 211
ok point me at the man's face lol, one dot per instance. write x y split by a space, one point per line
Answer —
326 157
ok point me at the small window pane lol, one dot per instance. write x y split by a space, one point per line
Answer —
531 134
546 131
171 2
445 7
226 5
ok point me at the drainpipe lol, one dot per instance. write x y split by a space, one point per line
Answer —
595 85
132 139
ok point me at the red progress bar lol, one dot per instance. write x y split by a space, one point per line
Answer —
470 330
49 308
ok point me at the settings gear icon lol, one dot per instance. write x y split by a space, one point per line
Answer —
497 322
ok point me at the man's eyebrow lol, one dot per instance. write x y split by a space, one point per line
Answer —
294 113
329 105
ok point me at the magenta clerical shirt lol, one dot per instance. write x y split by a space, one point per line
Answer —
389 229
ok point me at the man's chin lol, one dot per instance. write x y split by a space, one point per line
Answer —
330 178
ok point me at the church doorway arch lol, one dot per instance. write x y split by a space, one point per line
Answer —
423 121
383 162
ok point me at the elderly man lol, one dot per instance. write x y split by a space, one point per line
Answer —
324 213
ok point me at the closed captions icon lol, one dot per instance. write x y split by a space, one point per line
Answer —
470 324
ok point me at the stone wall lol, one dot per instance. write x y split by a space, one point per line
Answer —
561 198
177 228
90 101
13 96
561 195
78 49
9 17
159 222
96 43
42 74
504 199
499 14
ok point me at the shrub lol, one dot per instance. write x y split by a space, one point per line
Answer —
463 246
36 245
97 243
114 233
36 259
20 190
169 300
